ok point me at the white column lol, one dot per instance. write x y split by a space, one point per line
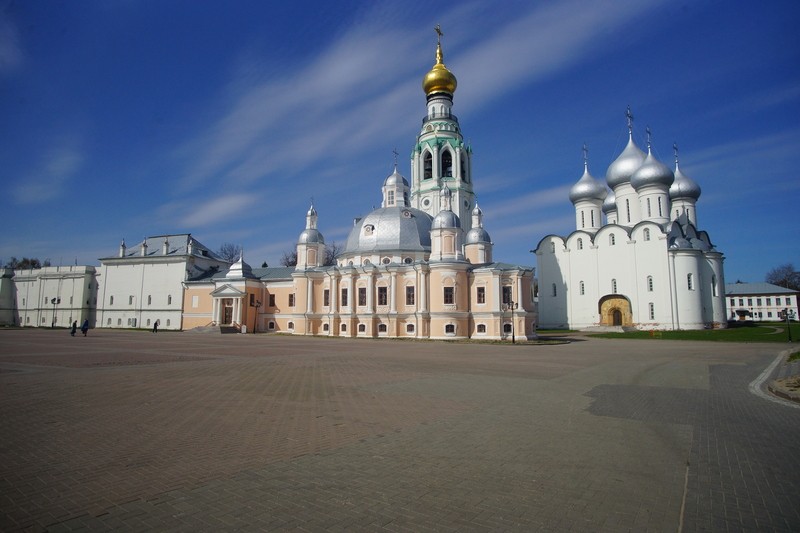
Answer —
498 299
370 295
392 298
423 291
215 310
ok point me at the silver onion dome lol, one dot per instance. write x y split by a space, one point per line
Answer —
395 178
623 167
477 236
610 203
683 186
652 172
445 220
390 229
310 236
587 188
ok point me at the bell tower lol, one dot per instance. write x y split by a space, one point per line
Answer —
440 159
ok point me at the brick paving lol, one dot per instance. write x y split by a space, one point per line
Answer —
178 431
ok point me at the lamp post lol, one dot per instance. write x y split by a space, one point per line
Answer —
255 323
788 324
510 306
54 301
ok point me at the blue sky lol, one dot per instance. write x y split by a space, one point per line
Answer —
126 119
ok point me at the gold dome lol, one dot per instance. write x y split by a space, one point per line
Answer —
439 79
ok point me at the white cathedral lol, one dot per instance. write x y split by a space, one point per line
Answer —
646 267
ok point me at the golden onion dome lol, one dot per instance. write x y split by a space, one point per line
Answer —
439 79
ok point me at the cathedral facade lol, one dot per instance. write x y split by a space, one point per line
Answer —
647 266
418 266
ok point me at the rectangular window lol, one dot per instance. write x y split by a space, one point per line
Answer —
252 300
383 296
507 294
769 314
326 297
481 297
130 300
410 296
195 301
449 293
733 302
272 300
690 283
758 301
362 296
652 311
344 297
777 301
291 300
769 301
741 302
749 300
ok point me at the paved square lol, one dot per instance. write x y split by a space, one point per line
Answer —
187 431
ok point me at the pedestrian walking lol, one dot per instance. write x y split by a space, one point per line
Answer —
155 326
74 328
85 327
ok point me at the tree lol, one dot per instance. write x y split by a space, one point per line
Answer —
784 275
229 252
264 264
331 251
289 259
26 263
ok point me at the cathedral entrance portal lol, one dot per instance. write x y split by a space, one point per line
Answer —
615 310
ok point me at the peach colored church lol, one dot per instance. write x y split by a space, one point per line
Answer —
419 266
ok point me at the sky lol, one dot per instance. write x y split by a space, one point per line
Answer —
132 118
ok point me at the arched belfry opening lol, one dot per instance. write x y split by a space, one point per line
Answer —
427 166
447 164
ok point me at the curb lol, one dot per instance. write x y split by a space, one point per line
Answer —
778 390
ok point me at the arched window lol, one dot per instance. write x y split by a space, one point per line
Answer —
649 213
646 234
409 328
427 166
111 300
583 288
713 285
382 328
649 283
690 282
660 211
652 308
481 328
325 327
450 329
555 291
447 164
463 168
362 328
591 214
583 219
628 208
612 240
344 328
149 299
290 326
506 328
580 244
271 325
614 286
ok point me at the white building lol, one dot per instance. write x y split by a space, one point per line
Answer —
55 296
7 299
647 266
760 301
144 283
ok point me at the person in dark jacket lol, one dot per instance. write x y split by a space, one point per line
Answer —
85 327
74 328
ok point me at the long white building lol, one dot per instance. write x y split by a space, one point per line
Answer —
646 266
54 296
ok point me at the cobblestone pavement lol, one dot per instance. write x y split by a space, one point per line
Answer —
181 431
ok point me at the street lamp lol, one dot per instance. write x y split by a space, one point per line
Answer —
255 324
54 301
510 306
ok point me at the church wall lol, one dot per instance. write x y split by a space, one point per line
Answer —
651 261
689 301
714 273
553 264
197 305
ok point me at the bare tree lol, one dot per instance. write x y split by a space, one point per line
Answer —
331 251
229 252
26 263
784 275
289 259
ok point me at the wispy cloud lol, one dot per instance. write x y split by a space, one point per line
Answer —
11 55
202 214
45 183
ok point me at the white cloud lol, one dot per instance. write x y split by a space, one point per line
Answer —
217 209
56 168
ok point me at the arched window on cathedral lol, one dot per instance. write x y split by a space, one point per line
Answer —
427 166
714 285
649 213
613 286
580 244
628 208
583 219
447 164
649 283
652 309
612 240
555 292
646 234
660 211
583 289
690 282
591 213
463 167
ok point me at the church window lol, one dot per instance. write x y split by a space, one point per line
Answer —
507 294
628 208
362 328
554 290
777 301
409 328
677 213
758 301
447 164
272 300
583 288
733 302
344 328
271 325
649 283
383 296
148 322
326 297
427 166
583 219
389 198
344 297
463 168
507 328
382 328
386 260
449 295
169 299
690 283
252 300
553 247
660 211
612 240
614 286
368 229
325 327
291 300
646 234
290 326
408 260
591 215
450 329
749 300
119 321
481 295
652 311
769 301
741 301
108 322
481 328
149 299
649 212
130 300
714 289
410 295
580 244
362 296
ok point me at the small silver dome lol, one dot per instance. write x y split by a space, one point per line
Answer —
652 172
390 229
587 188
311 236
446 219
477 236
623 167
395 178
610 203
477 211
683 186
